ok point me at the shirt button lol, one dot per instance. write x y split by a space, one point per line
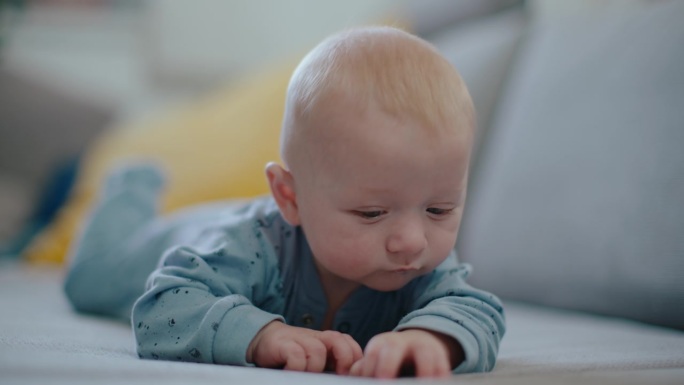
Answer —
343 327
307 319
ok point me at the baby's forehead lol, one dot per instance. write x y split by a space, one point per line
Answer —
365 159
344 134
345 118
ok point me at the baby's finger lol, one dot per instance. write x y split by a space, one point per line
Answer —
339 350
369 363
364 367
389 362
367 368
356 368
356 348
429 363
345 350
293 356
316 354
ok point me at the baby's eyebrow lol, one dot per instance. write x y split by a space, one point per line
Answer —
456 199
371 190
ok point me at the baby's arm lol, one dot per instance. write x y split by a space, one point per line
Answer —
202 307
461 325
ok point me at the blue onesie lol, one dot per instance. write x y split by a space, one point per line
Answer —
221 272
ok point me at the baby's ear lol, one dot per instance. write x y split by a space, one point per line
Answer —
282 189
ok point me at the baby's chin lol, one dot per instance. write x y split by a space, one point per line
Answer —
391 281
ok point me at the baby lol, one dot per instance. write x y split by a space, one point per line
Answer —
348 266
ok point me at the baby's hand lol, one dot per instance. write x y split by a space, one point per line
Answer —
427 353
293 348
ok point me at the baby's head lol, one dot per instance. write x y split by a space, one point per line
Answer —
376 142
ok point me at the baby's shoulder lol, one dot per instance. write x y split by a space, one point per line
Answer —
255 226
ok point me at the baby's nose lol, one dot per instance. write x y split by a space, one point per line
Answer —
407 241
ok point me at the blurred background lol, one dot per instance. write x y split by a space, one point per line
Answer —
577 178
71 70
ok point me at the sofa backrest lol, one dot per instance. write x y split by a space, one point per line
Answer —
578 199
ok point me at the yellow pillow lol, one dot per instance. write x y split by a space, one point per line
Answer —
215 149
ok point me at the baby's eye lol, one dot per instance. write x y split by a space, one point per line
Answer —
370 214
438 211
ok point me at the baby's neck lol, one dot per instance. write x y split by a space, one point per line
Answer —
337 290
335 299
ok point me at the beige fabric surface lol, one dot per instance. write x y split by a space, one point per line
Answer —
43 341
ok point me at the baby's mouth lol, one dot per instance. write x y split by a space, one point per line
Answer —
405 269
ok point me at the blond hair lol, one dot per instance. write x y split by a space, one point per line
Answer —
383 67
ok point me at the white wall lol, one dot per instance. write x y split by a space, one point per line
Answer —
203 39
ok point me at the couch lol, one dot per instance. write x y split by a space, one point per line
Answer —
575 214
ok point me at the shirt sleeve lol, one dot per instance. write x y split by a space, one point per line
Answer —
446 304
206 306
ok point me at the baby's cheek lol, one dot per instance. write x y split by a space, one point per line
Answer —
357 257
444 237
440 253
349 255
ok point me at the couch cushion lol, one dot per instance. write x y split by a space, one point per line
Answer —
482 52
579 198
427 17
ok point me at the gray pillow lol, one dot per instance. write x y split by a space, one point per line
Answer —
482 52
429 16
578 199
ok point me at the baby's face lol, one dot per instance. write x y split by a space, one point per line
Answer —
381 202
